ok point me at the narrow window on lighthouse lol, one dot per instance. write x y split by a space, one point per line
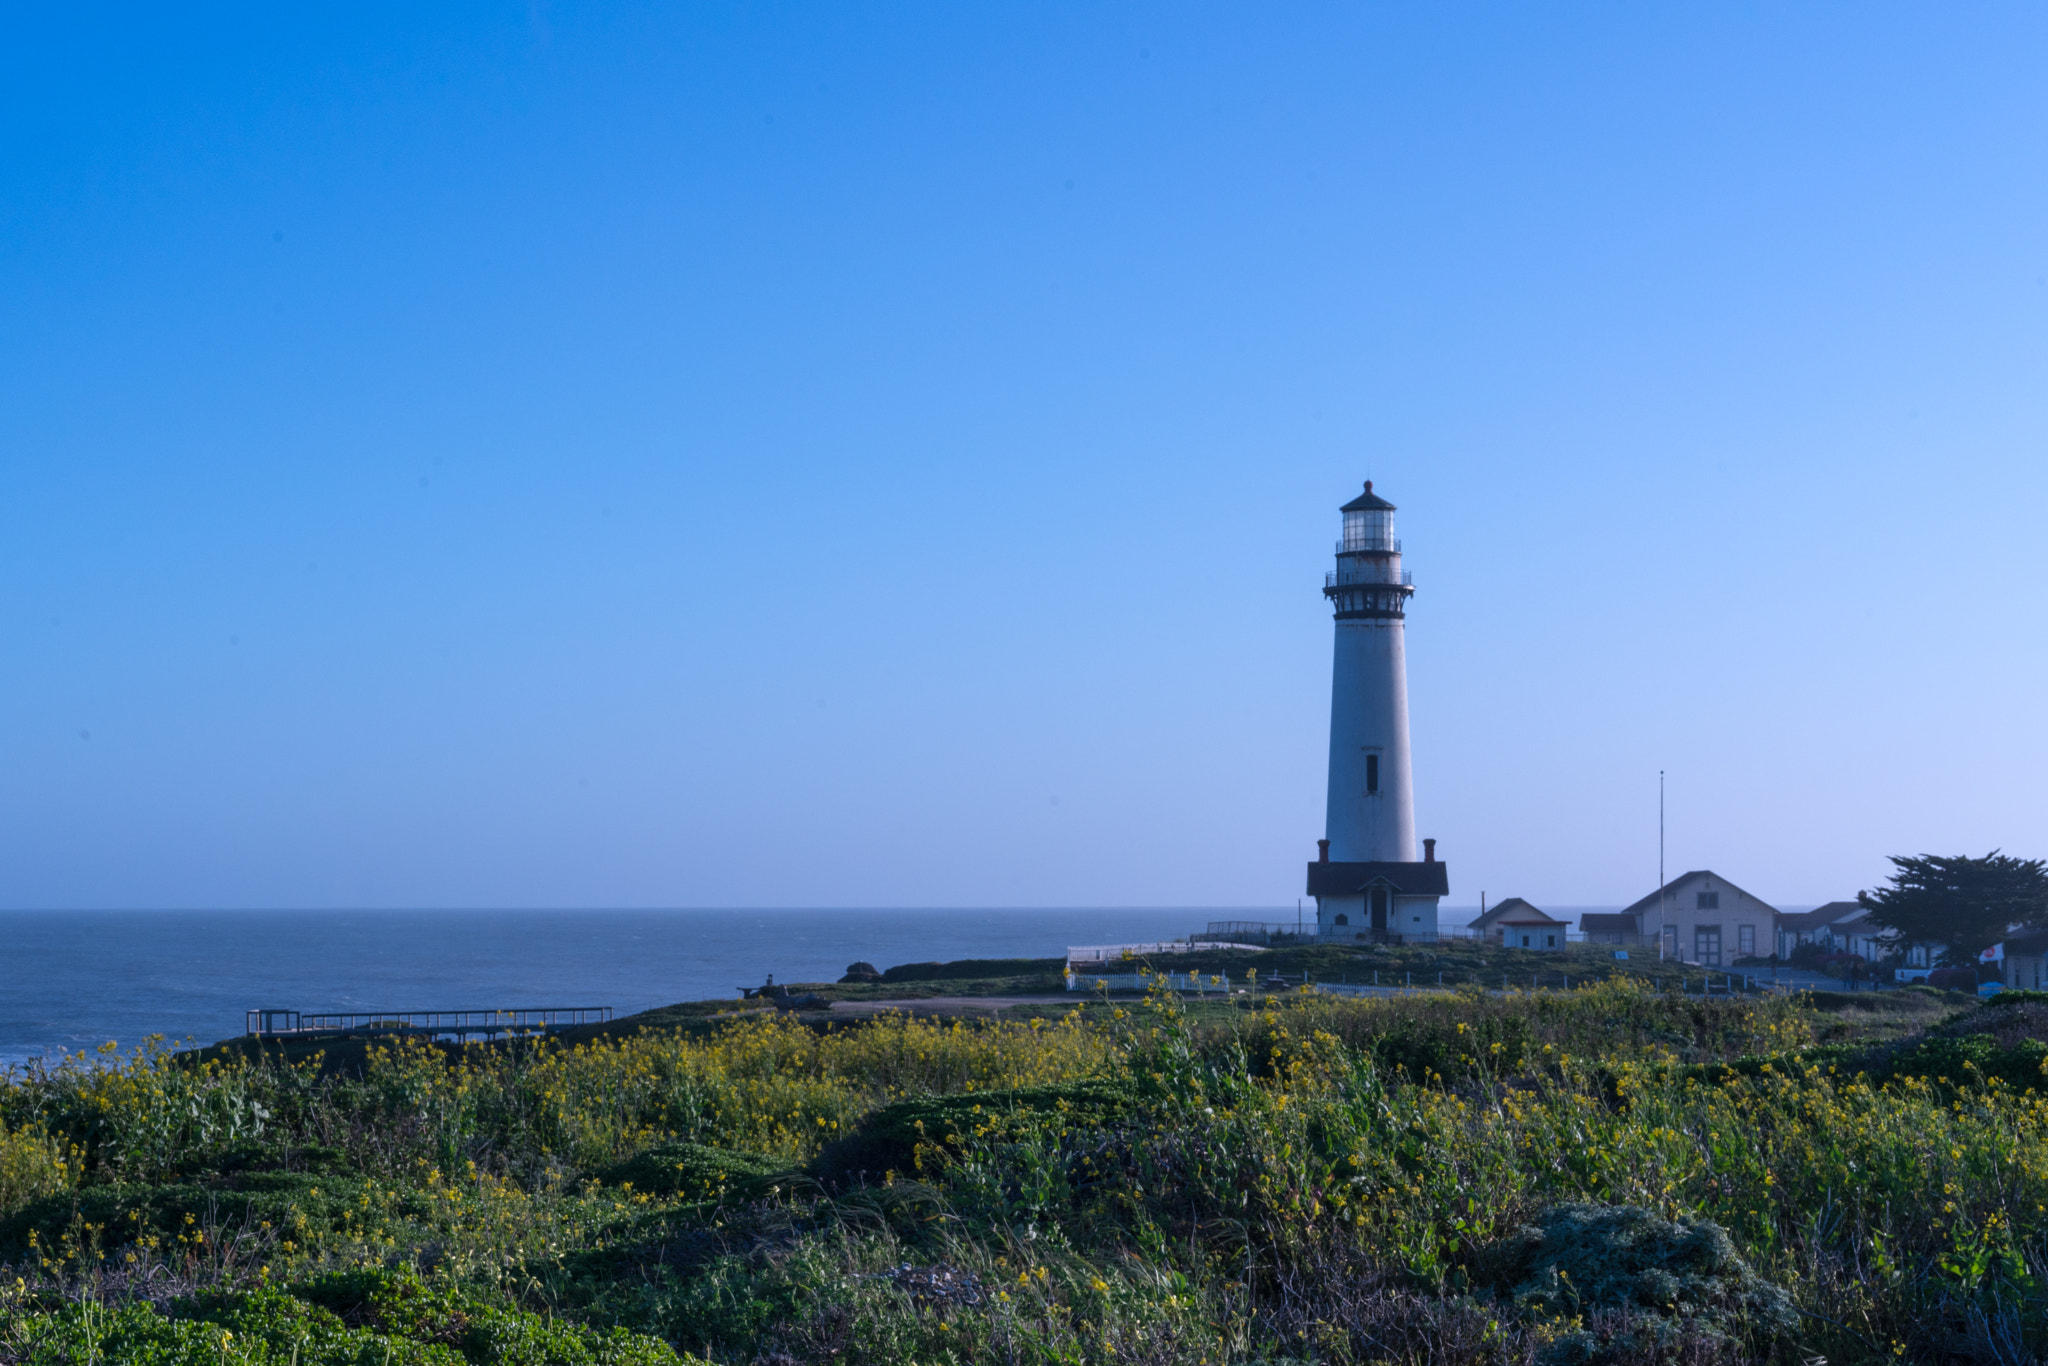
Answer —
1372 773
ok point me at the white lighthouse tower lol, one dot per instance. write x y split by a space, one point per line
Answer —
1366 879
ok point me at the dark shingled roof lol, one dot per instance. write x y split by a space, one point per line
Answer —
1523 912
1367 502
1349 879
1820 917
2029 942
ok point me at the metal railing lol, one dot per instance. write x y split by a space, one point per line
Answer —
1085 955
1337 578
273 1024
1265 934
1365 934
1263 931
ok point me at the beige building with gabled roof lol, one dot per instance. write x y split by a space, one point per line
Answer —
1704 918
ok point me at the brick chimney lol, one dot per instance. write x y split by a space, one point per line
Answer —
1322 851
1429 851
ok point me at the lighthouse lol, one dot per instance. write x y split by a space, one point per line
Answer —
1367 881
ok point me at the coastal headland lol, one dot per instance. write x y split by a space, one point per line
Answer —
975 1162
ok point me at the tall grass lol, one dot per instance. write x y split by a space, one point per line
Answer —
1914 1215
768 1085
1321 1178
31 1165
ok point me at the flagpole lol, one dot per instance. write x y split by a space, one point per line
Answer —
1660 865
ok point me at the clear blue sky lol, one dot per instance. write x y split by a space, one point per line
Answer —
778 454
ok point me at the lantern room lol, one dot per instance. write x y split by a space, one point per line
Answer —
1368 524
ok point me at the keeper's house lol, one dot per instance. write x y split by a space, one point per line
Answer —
1702 918
1377 902
1516 924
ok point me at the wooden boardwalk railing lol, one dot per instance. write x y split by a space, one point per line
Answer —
460 1024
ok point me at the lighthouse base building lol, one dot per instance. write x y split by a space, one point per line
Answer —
1366 880
1383 903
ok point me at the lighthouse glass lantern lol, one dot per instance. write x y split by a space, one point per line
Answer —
1368 529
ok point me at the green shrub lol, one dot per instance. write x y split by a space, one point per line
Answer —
1660 1274
1908 1002
973 967
1954 1059
264 1328
398 1302
903 1137
693 1171
504 1338
2018 998
1839 1057
295 1205
1970 1057
401 1306
1434 1033
1423 1049
413 1326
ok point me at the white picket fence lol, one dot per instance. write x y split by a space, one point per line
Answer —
1202 984
1083 957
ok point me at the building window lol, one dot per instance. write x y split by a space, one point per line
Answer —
1671 941
1706 945
1745 941
1525 941
1549 941
1343 919
1372 773
1706 901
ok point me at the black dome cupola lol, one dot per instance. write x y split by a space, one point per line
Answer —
1367 502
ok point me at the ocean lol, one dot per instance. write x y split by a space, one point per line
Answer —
77 979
